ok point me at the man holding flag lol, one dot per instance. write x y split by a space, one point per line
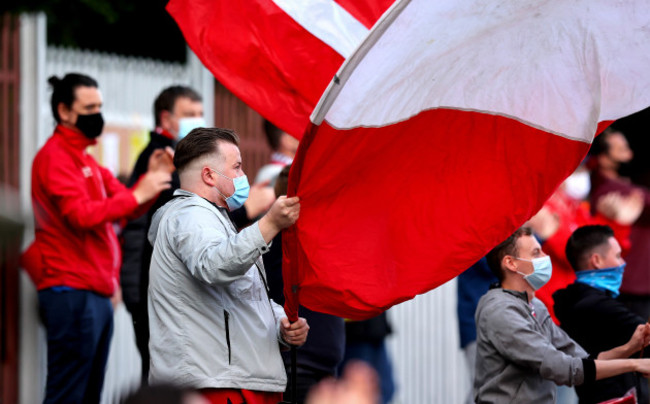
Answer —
213 325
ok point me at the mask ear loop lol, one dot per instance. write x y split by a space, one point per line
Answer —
220 193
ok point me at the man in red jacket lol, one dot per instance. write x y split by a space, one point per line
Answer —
75 258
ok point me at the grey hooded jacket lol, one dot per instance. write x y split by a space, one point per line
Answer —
521 354
211 321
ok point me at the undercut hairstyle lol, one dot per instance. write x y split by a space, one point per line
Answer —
600 145
167 98
273 134
507 247
201 142
583 242
63 90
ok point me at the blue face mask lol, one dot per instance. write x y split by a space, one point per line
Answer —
186 125
237 199
542 271
607 279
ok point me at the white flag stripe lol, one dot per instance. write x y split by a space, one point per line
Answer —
327 21
541 63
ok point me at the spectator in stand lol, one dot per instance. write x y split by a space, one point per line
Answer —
610 151
74 260
213 325
177 110
591 315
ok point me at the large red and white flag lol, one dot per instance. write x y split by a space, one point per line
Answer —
278 56
445 131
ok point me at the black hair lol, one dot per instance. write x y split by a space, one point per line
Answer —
600 145
583 242
63 90
167 98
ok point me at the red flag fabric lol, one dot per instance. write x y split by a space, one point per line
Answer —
278 56
446 130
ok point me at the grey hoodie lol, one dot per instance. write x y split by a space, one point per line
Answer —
212 324
521 354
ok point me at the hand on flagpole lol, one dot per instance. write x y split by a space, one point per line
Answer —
294 333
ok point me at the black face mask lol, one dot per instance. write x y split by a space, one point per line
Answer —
90 125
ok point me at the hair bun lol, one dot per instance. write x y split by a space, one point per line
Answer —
54 81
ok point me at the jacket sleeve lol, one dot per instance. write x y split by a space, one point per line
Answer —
561 340
113 187
134 237
68 188
612 315
211 254
519 342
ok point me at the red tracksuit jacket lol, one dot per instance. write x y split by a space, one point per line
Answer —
75 203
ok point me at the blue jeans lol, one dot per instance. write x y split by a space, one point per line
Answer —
79 326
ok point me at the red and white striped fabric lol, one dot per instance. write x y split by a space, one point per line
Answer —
445 131
278 56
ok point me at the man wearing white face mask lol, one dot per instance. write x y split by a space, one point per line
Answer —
521 354
590 313
213 325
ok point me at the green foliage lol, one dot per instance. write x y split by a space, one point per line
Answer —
126 27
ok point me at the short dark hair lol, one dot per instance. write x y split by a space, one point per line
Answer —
583 242
507 247
600 145
63 90
273 134
167 98
199 142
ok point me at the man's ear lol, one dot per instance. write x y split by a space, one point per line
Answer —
165 119
64 112
508 263
595 261
208 177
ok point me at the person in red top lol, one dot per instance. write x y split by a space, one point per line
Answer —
75 258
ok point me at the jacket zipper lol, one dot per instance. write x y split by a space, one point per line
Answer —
226 316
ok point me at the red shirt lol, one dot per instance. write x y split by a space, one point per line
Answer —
75 203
